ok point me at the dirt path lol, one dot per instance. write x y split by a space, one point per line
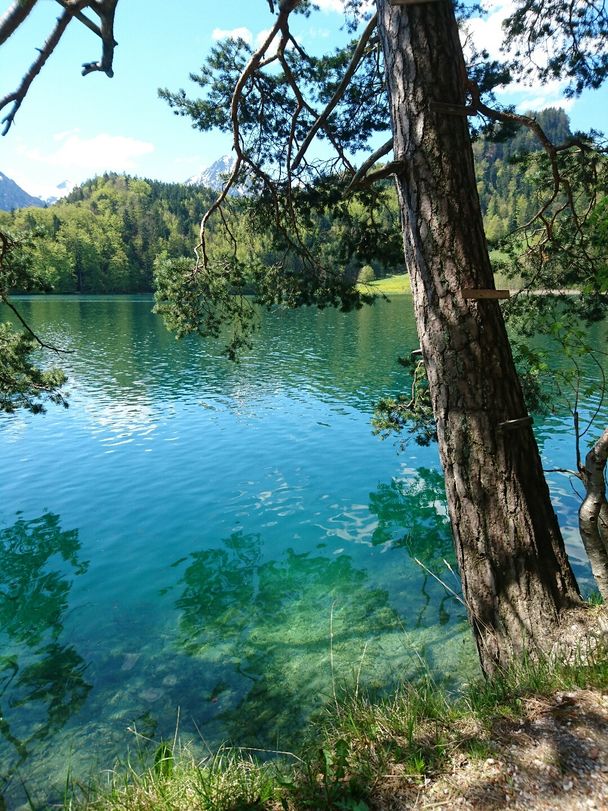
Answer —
554 757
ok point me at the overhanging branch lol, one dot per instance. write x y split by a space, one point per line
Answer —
16 98
333 102
360 175
280 26
548 213
105 10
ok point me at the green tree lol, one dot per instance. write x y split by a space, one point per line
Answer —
408 67
517 581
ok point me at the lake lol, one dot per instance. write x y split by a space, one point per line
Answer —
218 547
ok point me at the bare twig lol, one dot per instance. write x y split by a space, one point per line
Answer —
105 10
82 18
16 98
30 331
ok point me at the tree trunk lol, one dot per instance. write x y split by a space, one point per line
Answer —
593 513
516 578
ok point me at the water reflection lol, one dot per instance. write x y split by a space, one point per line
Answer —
273 633
122 351
42 680
418 504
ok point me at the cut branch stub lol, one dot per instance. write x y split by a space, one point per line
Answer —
475 293
511 425
452 109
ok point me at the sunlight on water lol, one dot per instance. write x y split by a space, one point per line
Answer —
223 543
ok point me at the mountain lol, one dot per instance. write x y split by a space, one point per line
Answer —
60 190
214 176
13 196
508 191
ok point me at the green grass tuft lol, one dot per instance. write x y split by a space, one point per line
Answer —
356 741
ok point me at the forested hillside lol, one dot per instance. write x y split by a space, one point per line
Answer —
106 235
507 190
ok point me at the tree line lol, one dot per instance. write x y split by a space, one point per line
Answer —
108 234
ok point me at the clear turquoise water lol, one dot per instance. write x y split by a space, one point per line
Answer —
213 542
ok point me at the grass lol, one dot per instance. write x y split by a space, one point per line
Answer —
400 283
391 285
225 781
348 751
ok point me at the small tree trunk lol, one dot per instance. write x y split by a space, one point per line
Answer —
593 513
516 578
602 524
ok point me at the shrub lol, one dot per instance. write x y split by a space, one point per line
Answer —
366 275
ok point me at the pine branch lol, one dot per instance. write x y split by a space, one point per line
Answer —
321 121
360 175
256 60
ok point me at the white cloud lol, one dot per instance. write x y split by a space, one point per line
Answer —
80 156
232 33
331 5
259 40
487 33
537 96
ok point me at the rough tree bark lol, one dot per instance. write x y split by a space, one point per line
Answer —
593 513
516 578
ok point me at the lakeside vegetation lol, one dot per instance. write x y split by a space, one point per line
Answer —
311 245
361 752
396 284
109 234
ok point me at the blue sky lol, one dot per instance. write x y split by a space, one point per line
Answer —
72 127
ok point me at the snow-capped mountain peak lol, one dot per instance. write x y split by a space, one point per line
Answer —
215 175
60 190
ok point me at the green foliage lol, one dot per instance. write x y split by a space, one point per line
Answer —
509 192
228 780
366 275
265 110
571 38
105 236
164 762
349 749
202 301
413 413
22 383
311 240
